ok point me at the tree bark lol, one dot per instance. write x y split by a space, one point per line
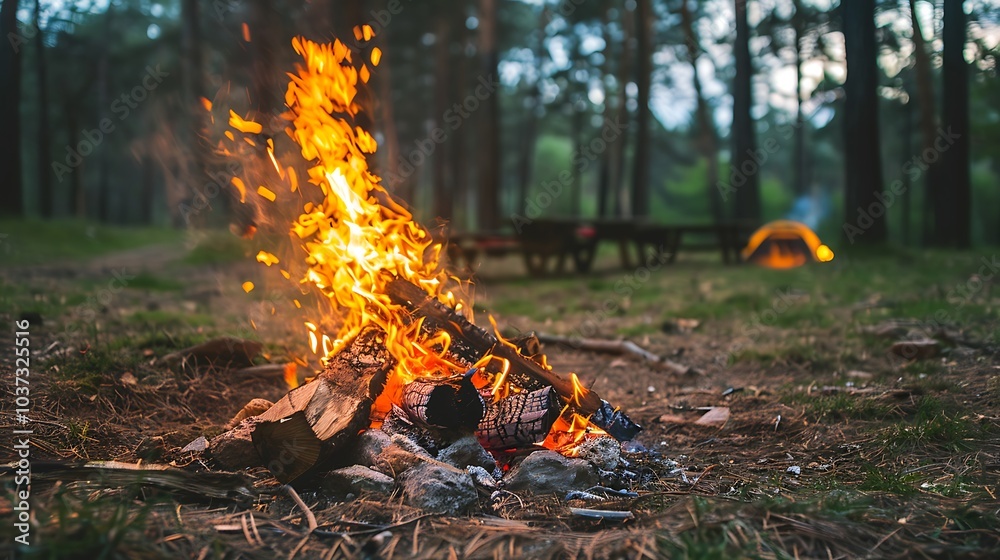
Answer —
459 170
78 198
708 142
383 77
45 194
744 139
618 193
604 173
443 186
640 169
799 179
862 148
489 142
11 192
529 134
103 101
194 86
955 208
928 123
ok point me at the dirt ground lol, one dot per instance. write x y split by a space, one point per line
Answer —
834 448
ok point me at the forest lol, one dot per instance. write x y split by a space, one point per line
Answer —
873 121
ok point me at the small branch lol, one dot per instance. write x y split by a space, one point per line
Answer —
310 518
617 347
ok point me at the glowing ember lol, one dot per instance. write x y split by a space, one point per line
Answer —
355 238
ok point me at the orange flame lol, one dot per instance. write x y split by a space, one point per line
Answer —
355 238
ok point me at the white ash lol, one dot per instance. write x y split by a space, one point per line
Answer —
603 452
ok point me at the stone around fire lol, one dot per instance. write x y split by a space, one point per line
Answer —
439 487
545 472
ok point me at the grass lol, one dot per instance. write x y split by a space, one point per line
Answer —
147 281
24 242
217 247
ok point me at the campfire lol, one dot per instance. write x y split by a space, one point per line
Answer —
405 358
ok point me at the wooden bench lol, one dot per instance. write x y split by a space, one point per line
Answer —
545 244
728 238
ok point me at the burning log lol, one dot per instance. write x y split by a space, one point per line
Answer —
447 404
470 343
521 420
317 418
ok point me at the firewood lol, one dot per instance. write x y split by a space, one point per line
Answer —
447 404
520 420
618 347
470 342
314 420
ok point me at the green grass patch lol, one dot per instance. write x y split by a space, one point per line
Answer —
842 406
170 319
880 479
24 242
146 281
218 247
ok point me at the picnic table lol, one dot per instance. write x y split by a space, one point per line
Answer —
547 244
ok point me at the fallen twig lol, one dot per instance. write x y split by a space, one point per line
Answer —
310 518
617 347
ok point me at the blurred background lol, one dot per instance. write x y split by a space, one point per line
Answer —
662 110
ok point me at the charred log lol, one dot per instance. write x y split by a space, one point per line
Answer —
312 421
471 343
519 421
445 404
398 422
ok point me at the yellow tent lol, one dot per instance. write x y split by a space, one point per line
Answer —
785 244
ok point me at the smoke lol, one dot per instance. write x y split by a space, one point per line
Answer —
810 209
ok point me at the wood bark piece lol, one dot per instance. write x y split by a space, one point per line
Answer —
618 347
316 419
521 420
470 343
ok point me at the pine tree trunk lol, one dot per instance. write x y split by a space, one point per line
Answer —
707 139
864 223
11 192
956 205
799 180
46 196
640 170
604 173
618 192
744 138
928 124
443 186
489 142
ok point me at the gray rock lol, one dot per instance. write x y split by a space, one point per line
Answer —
467 452
371 444
602 452
395 460
357 478
482 477
439 487
407 444
234 450
545 472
